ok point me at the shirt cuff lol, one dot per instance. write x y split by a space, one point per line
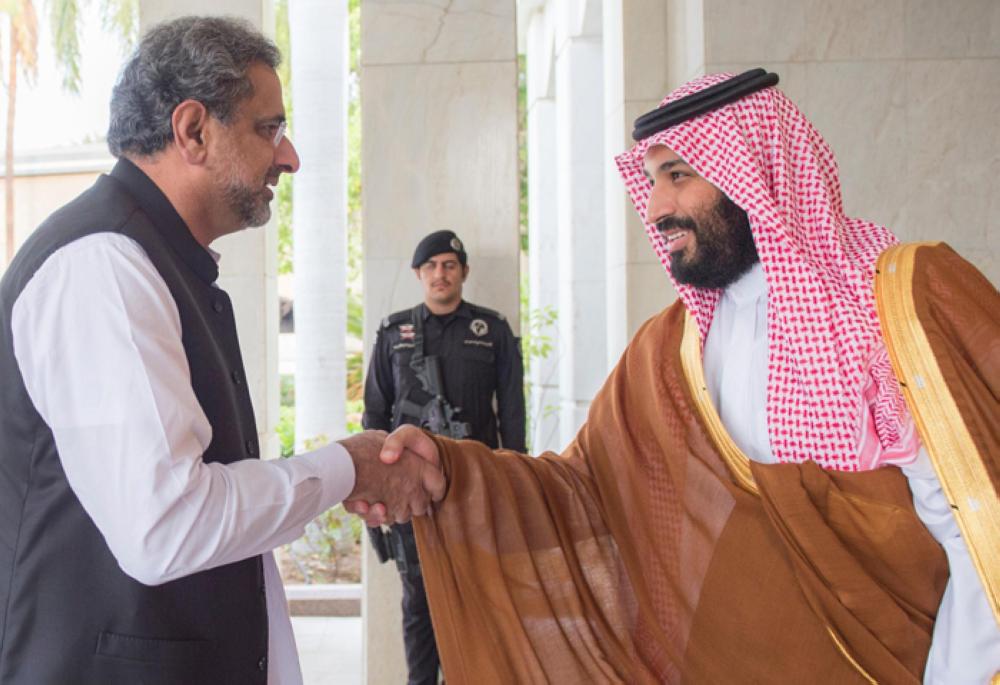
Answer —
333 464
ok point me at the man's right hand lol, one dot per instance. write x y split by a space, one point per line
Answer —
390 492
409 439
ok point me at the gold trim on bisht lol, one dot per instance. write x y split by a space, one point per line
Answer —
691 362
953 452
847 655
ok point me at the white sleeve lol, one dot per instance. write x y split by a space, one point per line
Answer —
965 646
97 338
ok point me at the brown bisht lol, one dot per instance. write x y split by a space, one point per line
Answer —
941 322
652 550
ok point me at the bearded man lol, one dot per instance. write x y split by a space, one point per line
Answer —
755 496
137 517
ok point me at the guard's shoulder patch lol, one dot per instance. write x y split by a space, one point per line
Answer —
396 318
480 310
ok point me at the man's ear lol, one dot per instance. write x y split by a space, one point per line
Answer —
416 272
189 121
465 272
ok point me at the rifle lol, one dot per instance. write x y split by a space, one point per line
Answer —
398 545
437 415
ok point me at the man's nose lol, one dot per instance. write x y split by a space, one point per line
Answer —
662 204
285 156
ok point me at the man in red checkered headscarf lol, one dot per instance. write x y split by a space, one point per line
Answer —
755 496
742 205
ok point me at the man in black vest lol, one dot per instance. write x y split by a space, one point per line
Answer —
440 365
136 519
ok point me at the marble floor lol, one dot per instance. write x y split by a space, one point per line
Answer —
329 649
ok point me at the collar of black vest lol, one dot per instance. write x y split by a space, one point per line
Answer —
166 219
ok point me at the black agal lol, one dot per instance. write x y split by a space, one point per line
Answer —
703 101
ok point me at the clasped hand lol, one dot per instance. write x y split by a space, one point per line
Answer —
397 476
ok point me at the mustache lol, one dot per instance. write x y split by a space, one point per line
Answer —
671 222
273 176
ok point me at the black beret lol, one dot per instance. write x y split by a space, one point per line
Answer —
437 243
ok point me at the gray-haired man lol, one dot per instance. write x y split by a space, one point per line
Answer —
136 520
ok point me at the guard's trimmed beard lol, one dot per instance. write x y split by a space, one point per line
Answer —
724 247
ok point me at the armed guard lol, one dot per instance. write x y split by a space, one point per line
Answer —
440 365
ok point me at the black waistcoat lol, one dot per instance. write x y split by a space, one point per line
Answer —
68 614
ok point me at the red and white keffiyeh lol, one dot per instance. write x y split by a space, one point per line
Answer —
832 396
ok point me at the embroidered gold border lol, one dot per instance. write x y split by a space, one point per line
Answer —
955 457
847 655
738 463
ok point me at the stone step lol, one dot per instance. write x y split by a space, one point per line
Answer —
340 599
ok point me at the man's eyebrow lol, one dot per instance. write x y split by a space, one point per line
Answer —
670 164
666 166
276 119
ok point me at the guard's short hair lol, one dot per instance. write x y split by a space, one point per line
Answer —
191 58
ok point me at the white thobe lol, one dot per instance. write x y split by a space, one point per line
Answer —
965 648
97 338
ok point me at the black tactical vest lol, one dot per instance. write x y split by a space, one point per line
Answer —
68 614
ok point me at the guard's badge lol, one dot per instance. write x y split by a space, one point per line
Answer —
456 245
479 327
406 331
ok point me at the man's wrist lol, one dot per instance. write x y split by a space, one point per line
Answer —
363 449
335 466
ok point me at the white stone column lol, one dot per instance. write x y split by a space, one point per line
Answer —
250 257
319 63
543 243
439 150
580 202
635 80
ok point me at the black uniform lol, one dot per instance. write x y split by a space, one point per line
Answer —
480 358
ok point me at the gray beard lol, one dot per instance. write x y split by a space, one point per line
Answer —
247 204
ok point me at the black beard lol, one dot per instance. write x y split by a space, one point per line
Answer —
724 249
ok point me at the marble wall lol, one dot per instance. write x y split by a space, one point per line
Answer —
439 150
439 145
907 92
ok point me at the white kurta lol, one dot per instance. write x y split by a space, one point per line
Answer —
97 338
965 648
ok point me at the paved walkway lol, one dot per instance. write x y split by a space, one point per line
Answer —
329 649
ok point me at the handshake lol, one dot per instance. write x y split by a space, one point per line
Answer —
397 476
